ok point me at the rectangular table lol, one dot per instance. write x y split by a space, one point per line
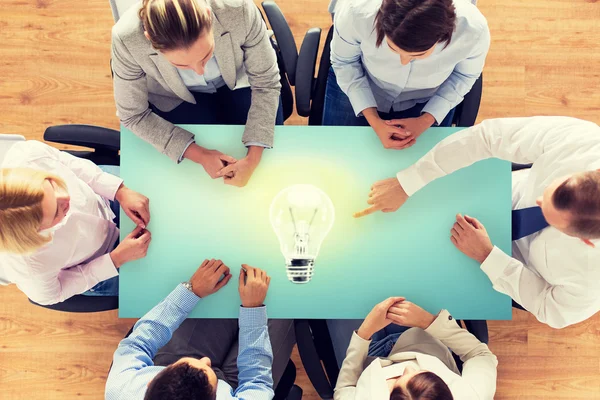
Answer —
362 261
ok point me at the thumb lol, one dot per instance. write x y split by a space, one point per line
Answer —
135 233
241 280
392 121
223 282
135 217
227 159
226 170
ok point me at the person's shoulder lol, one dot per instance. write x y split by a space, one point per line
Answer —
129 27
25 151
469 18
229 6
359 9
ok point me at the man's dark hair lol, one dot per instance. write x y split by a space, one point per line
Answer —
580 196
415 25
180 382
423 386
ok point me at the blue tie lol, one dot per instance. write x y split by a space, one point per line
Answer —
527 221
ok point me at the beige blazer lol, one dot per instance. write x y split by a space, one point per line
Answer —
142 75
362 378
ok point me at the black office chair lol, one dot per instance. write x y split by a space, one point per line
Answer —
105 144
310 90
318 357
285 390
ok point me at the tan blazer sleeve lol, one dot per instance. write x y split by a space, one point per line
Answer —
131 98
352 368
260 63
479 363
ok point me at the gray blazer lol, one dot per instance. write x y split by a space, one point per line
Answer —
142 75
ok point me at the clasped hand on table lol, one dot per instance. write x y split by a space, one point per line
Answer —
467 234
135 245
398 134
218 165
394 310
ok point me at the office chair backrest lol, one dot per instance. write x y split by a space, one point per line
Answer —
6 141
118 7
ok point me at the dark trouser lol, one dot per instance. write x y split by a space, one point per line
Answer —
217 339
338 110
225 107
517 305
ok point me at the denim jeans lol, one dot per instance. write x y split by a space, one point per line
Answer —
225 107
109 287
382 342
338 110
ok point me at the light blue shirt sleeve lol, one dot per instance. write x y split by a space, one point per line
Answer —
460 82
347 64
255 356
132 365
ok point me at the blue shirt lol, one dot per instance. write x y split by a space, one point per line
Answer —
373 76
133 367
209 82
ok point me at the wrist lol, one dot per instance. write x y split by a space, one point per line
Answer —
255 154
116 258
485 254
428 321
372 116
195 153
119 194
364 333
252 304
428 118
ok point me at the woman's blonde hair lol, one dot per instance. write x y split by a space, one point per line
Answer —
21 194
174 24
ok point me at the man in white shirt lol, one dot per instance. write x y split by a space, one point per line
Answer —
555 269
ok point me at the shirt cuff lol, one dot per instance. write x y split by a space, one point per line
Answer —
441 323
185 149
438 107
259 144
361 99
107 185
410 180
495 264
255 317
183 298
104 268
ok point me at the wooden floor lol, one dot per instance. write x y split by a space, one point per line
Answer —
544 59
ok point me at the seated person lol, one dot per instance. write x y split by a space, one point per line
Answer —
197 62
59 219
402 66
385 361
553 272
167 357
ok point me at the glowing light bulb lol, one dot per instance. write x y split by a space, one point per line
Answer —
301 216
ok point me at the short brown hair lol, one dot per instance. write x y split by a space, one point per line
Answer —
423 386
415 25
580 195
174 24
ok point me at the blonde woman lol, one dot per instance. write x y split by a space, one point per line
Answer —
197 62
59 227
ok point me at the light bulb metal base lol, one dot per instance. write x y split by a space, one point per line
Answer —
300 270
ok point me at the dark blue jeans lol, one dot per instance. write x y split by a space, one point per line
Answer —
109 287
338 110
382 342
225 107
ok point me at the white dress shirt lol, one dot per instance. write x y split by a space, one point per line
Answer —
77 257
554 276
373 76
